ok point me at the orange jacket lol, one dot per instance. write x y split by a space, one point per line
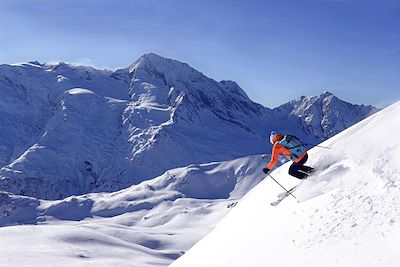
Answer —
279 149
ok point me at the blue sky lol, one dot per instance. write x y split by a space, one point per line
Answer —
276 50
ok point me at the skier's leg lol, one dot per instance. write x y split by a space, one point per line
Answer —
295 170
305 168
299 170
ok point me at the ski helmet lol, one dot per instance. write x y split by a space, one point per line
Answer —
272 136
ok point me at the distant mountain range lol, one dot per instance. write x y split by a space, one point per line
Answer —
69 130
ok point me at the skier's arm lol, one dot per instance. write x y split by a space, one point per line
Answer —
276 151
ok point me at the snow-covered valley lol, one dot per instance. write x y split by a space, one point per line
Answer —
149 224
134 166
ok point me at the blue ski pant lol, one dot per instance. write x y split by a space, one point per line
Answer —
299 170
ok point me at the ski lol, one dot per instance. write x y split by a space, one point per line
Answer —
283 195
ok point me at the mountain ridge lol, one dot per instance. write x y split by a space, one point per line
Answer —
161 114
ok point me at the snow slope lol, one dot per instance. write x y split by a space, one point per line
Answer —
150 224
82 145
30 93
348 213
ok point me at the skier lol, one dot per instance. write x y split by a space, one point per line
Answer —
292 148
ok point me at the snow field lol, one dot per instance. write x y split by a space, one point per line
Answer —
150 224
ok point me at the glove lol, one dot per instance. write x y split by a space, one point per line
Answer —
266 170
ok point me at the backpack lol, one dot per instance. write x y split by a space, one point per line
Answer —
295 146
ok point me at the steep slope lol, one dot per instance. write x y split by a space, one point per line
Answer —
150 224
81 146
29 95
348 214
138 122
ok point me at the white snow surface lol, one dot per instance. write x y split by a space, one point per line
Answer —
150 224
348 213
72 137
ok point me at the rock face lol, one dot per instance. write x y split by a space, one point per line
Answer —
69 130
326 115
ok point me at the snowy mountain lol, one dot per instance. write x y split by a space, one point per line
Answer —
323 115
347 215
156 221
70 130
32 92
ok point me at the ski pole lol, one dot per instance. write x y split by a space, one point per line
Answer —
282 187
319 146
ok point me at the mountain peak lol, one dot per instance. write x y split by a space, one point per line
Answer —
37 63
152 56
325 113
152 62
149 58
326 93
165 82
